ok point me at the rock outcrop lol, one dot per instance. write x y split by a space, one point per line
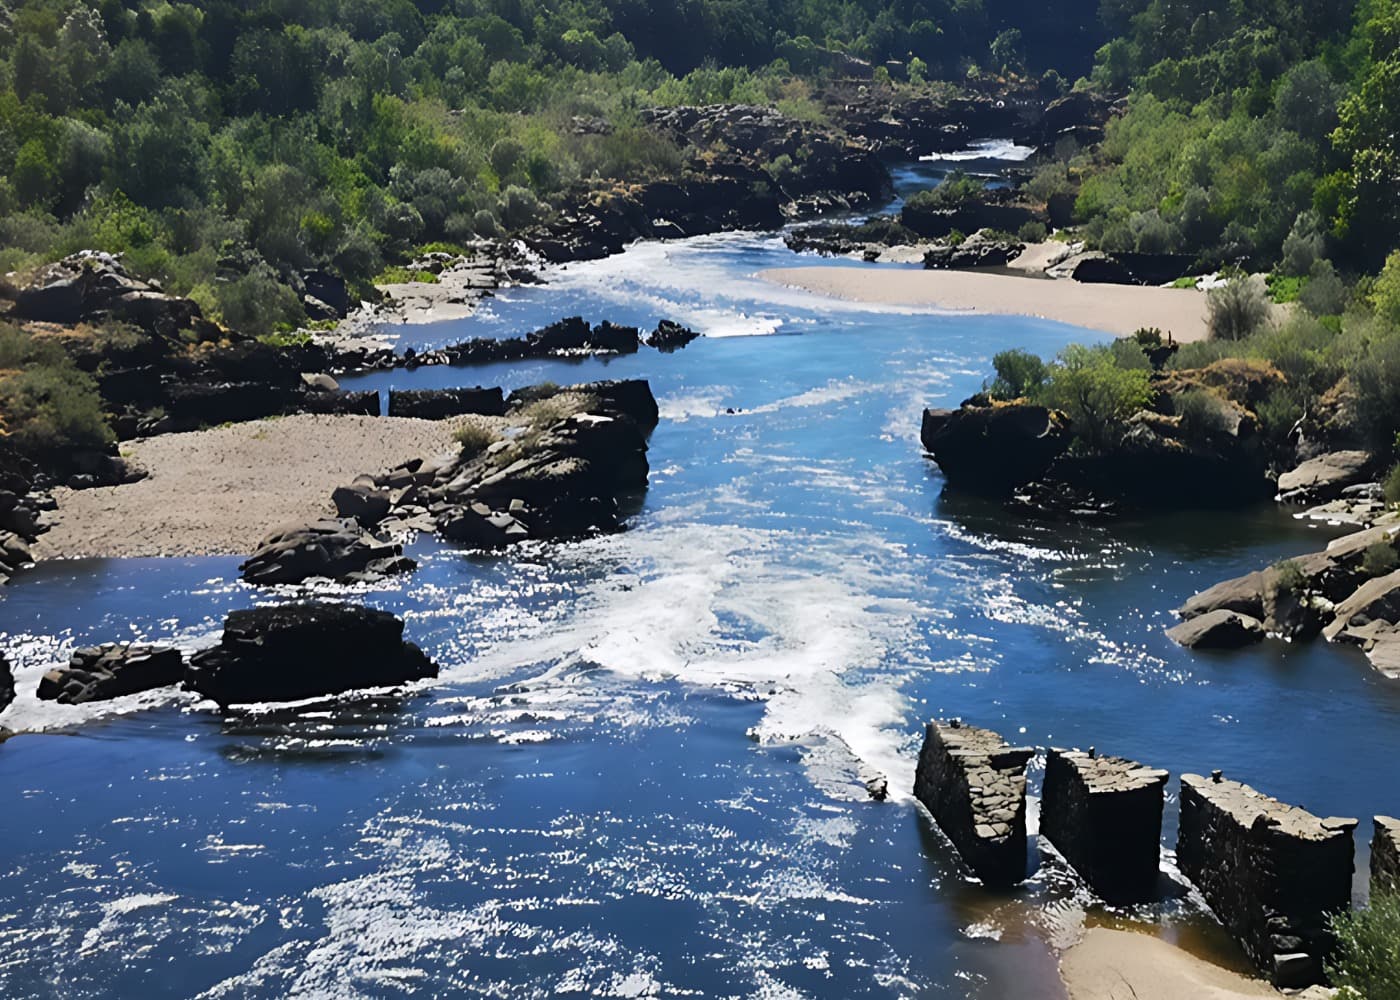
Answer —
293 652
974 785
439 404
335 549
1219 629
7 684
669 336
1370 618
1274 874
113 670
994 449
1385 856
94 287
994 209
1104 814
974 252
1325 477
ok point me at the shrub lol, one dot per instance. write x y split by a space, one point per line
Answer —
956 189
1289 578
1019 374
1097 394
1236 309
1033 232
258 303
1392 487
1366 962
1148 337
1324 293
1203 414
475 438
1379 559
51 407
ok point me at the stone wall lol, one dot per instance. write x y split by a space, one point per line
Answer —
1104 814
974 784
1385 856
1271 872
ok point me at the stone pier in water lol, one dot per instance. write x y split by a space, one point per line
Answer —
1104 814
1273 873
1385 856
974 784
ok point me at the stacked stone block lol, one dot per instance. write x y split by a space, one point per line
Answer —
974 785
1271 872
1385 856
1104 814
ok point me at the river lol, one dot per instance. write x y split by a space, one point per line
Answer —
641 770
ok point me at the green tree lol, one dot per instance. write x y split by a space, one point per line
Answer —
1097 394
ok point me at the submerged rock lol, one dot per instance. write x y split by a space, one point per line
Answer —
1220 629
332 549
993 449
296 651
113 670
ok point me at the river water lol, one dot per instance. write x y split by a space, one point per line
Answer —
641 770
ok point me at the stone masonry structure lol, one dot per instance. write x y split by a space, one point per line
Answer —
1273 873
1104 814
1385 856
974 784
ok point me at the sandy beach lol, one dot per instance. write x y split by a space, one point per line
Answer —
1121 965
219 491
1116 309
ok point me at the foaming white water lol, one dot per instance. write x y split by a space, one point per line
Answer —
729 608
988 149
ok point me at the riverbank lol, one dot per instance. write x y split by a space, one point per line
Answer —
219 491
1115 309
1108 964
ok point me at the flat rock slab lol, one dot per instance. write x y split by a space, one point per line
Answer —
100 673
1326 476
1219 629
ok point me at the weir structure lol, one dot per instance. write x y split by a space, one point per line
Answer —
1272 873
1385 856
1104 814
974 785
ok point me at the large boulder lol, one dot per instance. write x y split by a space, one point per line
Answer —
1220 629
439 404
973 253
1370 618
94 287
336 549
994 449
1325 477
100 673
670 336
292 652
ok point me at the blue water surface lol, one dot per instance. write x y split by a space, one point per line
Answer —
641 772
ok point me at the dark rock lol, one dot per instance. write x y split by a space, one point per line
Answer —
7 683
368 505
1219 629
296 651
333 550
972 253
1385 856
1132 268
993 210
628 397
439 404
974 785
615 339
669 336
1267 870
94 287
994 449
1104 814
114 670
339 404
329 289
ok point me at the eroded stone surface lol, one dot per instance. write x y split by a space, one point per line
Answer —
974 785
1273 873
1104 814
1385 855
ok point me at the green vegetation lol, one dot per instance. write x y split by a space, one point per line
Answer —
1236 309
1289 578
1020 374
1379 559
955 190
395 275
1366 963
1096 391
474 438
46 401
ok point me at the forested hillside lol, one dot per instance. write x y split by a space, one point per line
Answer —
279 136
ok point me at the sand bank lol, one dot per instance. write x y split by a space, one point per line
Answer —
1116 309
219 491
1121 965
